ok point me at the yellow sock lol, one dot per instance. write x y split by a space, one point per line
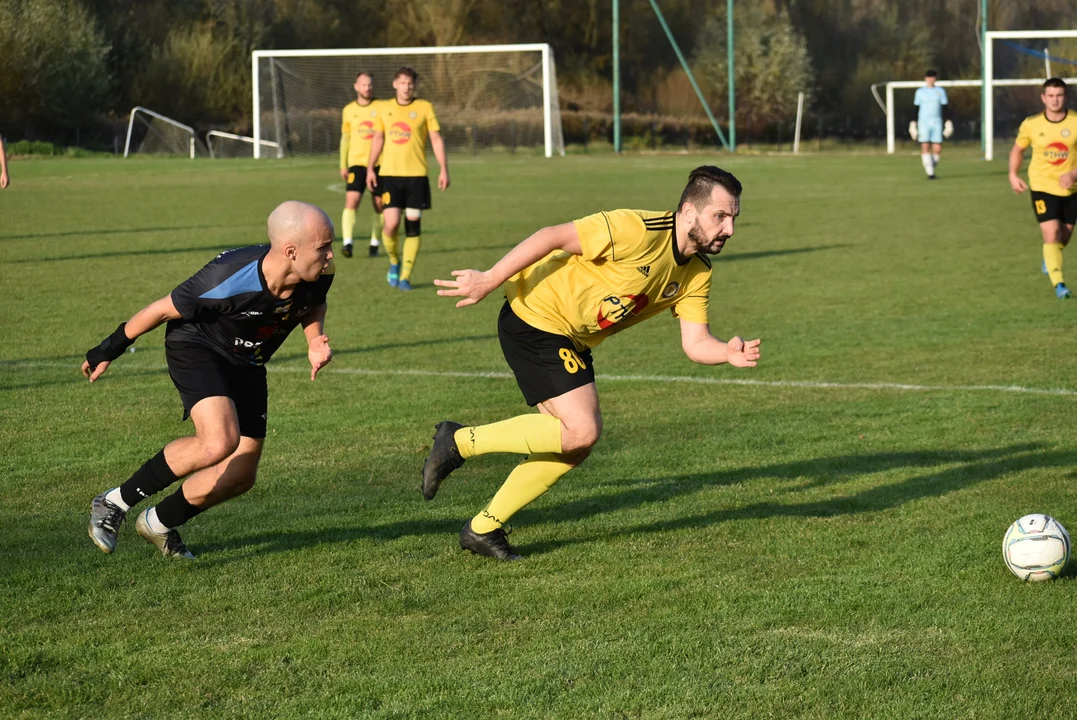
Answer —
389 241
411 251
376 224
347 223
1052 257
531 478
524 434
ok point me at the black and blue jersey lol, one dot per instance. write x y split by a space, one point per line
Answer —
227 307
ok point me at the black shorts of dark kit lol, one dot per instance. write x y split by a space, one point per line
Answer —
1055 207
405 192
199 373
357 179
545 365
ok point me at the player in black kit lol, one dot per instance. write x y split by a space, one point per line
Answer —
223 326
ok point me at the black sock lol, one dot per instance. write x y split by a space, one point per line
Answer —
153 477
174 510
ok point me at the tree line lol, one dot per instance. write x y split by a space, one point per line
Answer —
70 70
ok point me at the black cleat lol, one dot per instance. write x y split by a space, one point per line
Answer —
492 544
347 250
373 251
444 457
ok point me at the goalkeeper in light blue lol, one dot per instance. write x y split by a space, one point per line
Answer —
929 129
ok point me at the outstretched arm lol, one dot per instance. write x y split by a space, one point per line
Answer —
703 348
148 318
474 285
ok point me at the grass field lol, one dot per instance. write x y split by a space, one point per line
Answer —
823 542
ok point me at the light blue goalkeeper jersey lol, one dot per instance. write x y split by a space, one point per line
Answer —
930 101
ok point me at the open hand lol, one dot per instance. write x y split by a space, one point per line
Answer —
319 353
471 285
742 354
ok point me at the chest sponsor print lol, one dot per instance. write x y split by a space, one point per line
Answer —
615 308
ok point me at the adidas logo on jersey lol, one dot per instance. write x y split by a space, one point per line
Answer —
644 270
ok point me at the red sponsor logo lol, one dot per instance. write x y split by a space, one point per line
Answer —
400 132
366 130
616 308
1056 153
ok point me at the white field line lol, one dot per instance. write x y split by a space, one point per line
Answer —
663 379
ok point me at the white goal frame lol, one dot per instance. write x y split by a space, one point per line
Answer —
159 116
547 74
989 80
241 138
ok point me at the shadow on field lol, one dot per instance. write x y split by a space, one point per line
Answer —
776 253
214 249
120 231
963 469
972 468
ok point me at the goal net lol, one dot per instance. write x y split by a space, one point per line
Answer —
486 97
1013 54
150 133
226 145
1015 65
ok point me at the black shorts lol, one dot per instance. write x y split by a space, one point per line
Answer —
405 192
545 365
357 179
199 373
1054 207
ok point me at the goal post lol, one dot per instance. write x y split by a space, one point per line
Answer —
485 96
989 80
161 135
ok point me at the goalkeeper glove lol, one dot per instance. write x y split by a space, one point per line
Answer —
948 129
913 133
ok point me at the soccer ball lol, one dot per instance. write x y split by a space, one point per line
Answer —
1036 547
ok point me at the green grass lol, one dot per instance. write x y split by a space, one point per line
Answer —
729 550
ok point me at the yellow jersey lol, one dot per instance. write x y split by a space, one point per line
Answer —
406 128
357 122
630 269
1054 151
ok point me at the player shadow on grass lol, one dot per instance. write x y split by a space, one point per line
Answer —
973 467
337 352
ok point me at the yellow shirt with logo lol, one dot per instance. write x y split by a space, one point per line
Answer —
1054 151
357 122
406 128
630 269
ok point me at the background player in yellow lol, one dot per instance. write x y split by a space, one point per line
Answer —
356 133
1052 135
400 132
567 288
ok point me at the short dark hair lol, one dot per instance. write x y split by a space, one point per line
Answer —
361 73
931 73
701 182
405 70
1055 82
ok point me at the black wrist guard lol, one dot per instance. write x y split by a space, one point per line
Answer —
110 348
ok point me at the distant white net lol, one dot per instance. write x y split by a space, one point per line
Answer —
226 145
483 100
150 133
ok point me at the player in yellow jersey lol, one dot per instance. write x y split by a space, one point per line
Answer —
567 288
400 132
356 134
1052 135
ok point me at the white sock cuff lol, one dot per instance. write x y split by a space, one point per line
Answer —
115 497
156 525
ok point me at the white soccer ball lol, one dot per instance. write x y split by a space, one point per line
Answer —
1036 547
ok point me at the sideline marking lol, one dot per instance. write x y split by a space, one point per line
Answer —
670 379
